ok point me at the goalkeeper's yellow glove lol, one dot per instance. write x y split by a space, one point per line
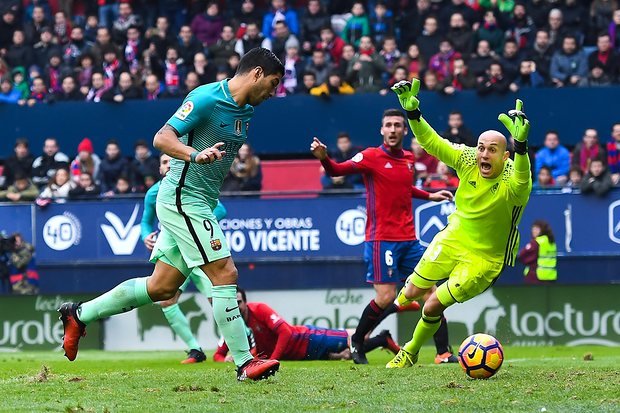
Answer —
407 92
516 122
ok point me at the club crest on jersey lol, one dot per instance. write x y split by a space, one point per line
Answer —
185 110
238 124
410 166
494 188
216 244
472 183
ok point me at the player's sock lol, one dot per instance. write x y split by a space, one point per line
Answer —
124 297
427 326
178 322
442 343
390 309
375 342
369 318
230 323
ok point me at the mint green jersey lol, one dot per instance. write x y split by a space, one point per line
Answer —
208 115
488 211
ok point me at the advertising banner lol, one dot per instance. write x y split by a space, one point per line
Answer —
31 323
16 218
146 328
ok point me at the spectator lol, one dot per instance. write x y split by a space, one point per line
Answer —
390 53
21 190
187 45
491 32
333 86
544 179
587 150
424 163
575 176
443 178
25 279
314 20
104 41
84 73
134 47
460 35
224 47
511 59
33 28
245 172
44 48
19 53
152 88
428 41
522 27
344 151
85 161
459 79
232 65
172 70
416 62
333 45
112 66
541 54
192 81
54 72
125 90
62 28
457 132
309 82
430 83
553 156
144 164
400 73
208 26
282 38
204 69
412 22
382 23
482 59
556 30
597 180
348 53
575 17
44 167
596 77
613 154
20 163
319 66
601 12
85 188
540 255
112 166
126 19
605 57
457 7
442 63
108 12
528 77
121 187
8 25
90 28
68 91
279 13
357 26
162 36
614 30
247 13
8 94
97 88
251 39
494 82
366 67
293 68
539 10
58 187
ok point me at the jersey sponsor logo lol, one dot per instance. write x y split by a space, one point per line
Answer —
472 183
61 232
351 226
185 110
614 222
121 237
388 165
216 244
358 157
238 124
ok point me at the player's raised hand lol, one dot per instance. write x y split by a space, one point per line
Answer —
407 92
442 195
211 154
516 122
318 149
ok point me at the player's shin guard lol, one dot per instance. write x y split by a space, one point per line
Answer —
124 297
442 343
178 322
230 323
425 329
368 321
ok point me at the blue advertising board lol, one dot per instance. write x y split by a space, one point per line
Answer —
17 218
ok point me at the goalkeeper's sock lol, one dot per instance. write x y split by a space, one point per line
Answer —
179 323
424 330
442 343
369 318
229 321
124 297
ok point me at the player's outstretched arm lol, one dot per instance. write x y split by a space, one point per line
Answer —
167 141
319 150
519 127
427 137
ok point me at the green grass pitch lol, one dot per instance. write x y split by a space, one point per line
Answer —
541 379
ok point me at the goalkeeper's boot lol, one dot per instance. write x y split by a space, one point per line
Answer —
194 356
402 359
257 369
74 329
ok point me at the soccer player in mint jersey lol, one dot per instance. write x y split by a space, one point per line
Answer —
202 137
173 313
391 250
482 235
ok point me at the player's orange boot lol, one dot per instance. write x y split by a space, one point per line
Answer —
446 357
257 369
194 356
412 306
74 329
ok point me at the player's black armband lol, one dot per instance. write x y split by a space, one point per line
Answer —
521 147
414 114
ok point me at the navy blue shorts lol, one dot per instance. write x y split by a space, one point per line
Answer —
322 341
391 261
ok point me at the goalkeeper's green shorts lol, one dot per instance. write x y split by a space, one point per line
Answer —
468 273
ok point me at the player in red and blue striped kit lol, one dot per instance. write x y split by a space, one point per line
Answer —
391 250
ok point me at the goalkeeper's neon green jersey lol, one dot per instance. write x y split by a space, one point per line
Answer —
488 211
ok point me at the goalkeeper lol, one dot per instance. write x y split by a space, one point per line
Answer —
482 235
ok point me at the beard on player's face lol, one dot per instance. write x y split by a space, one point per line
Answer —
393 140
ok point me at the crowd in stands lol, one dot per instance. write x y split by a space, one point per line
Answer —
109 50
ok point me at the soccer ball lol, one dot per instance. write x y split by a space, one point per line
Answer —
480 356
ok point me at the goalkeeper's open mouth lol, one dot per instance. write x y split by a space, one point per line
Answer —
485 167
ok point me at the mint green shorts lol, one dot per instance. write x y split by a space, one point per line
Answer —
190 237
200 280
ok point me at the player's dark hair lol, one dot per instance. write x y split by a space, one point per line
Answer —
545 229
259 56
394 112
242 292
